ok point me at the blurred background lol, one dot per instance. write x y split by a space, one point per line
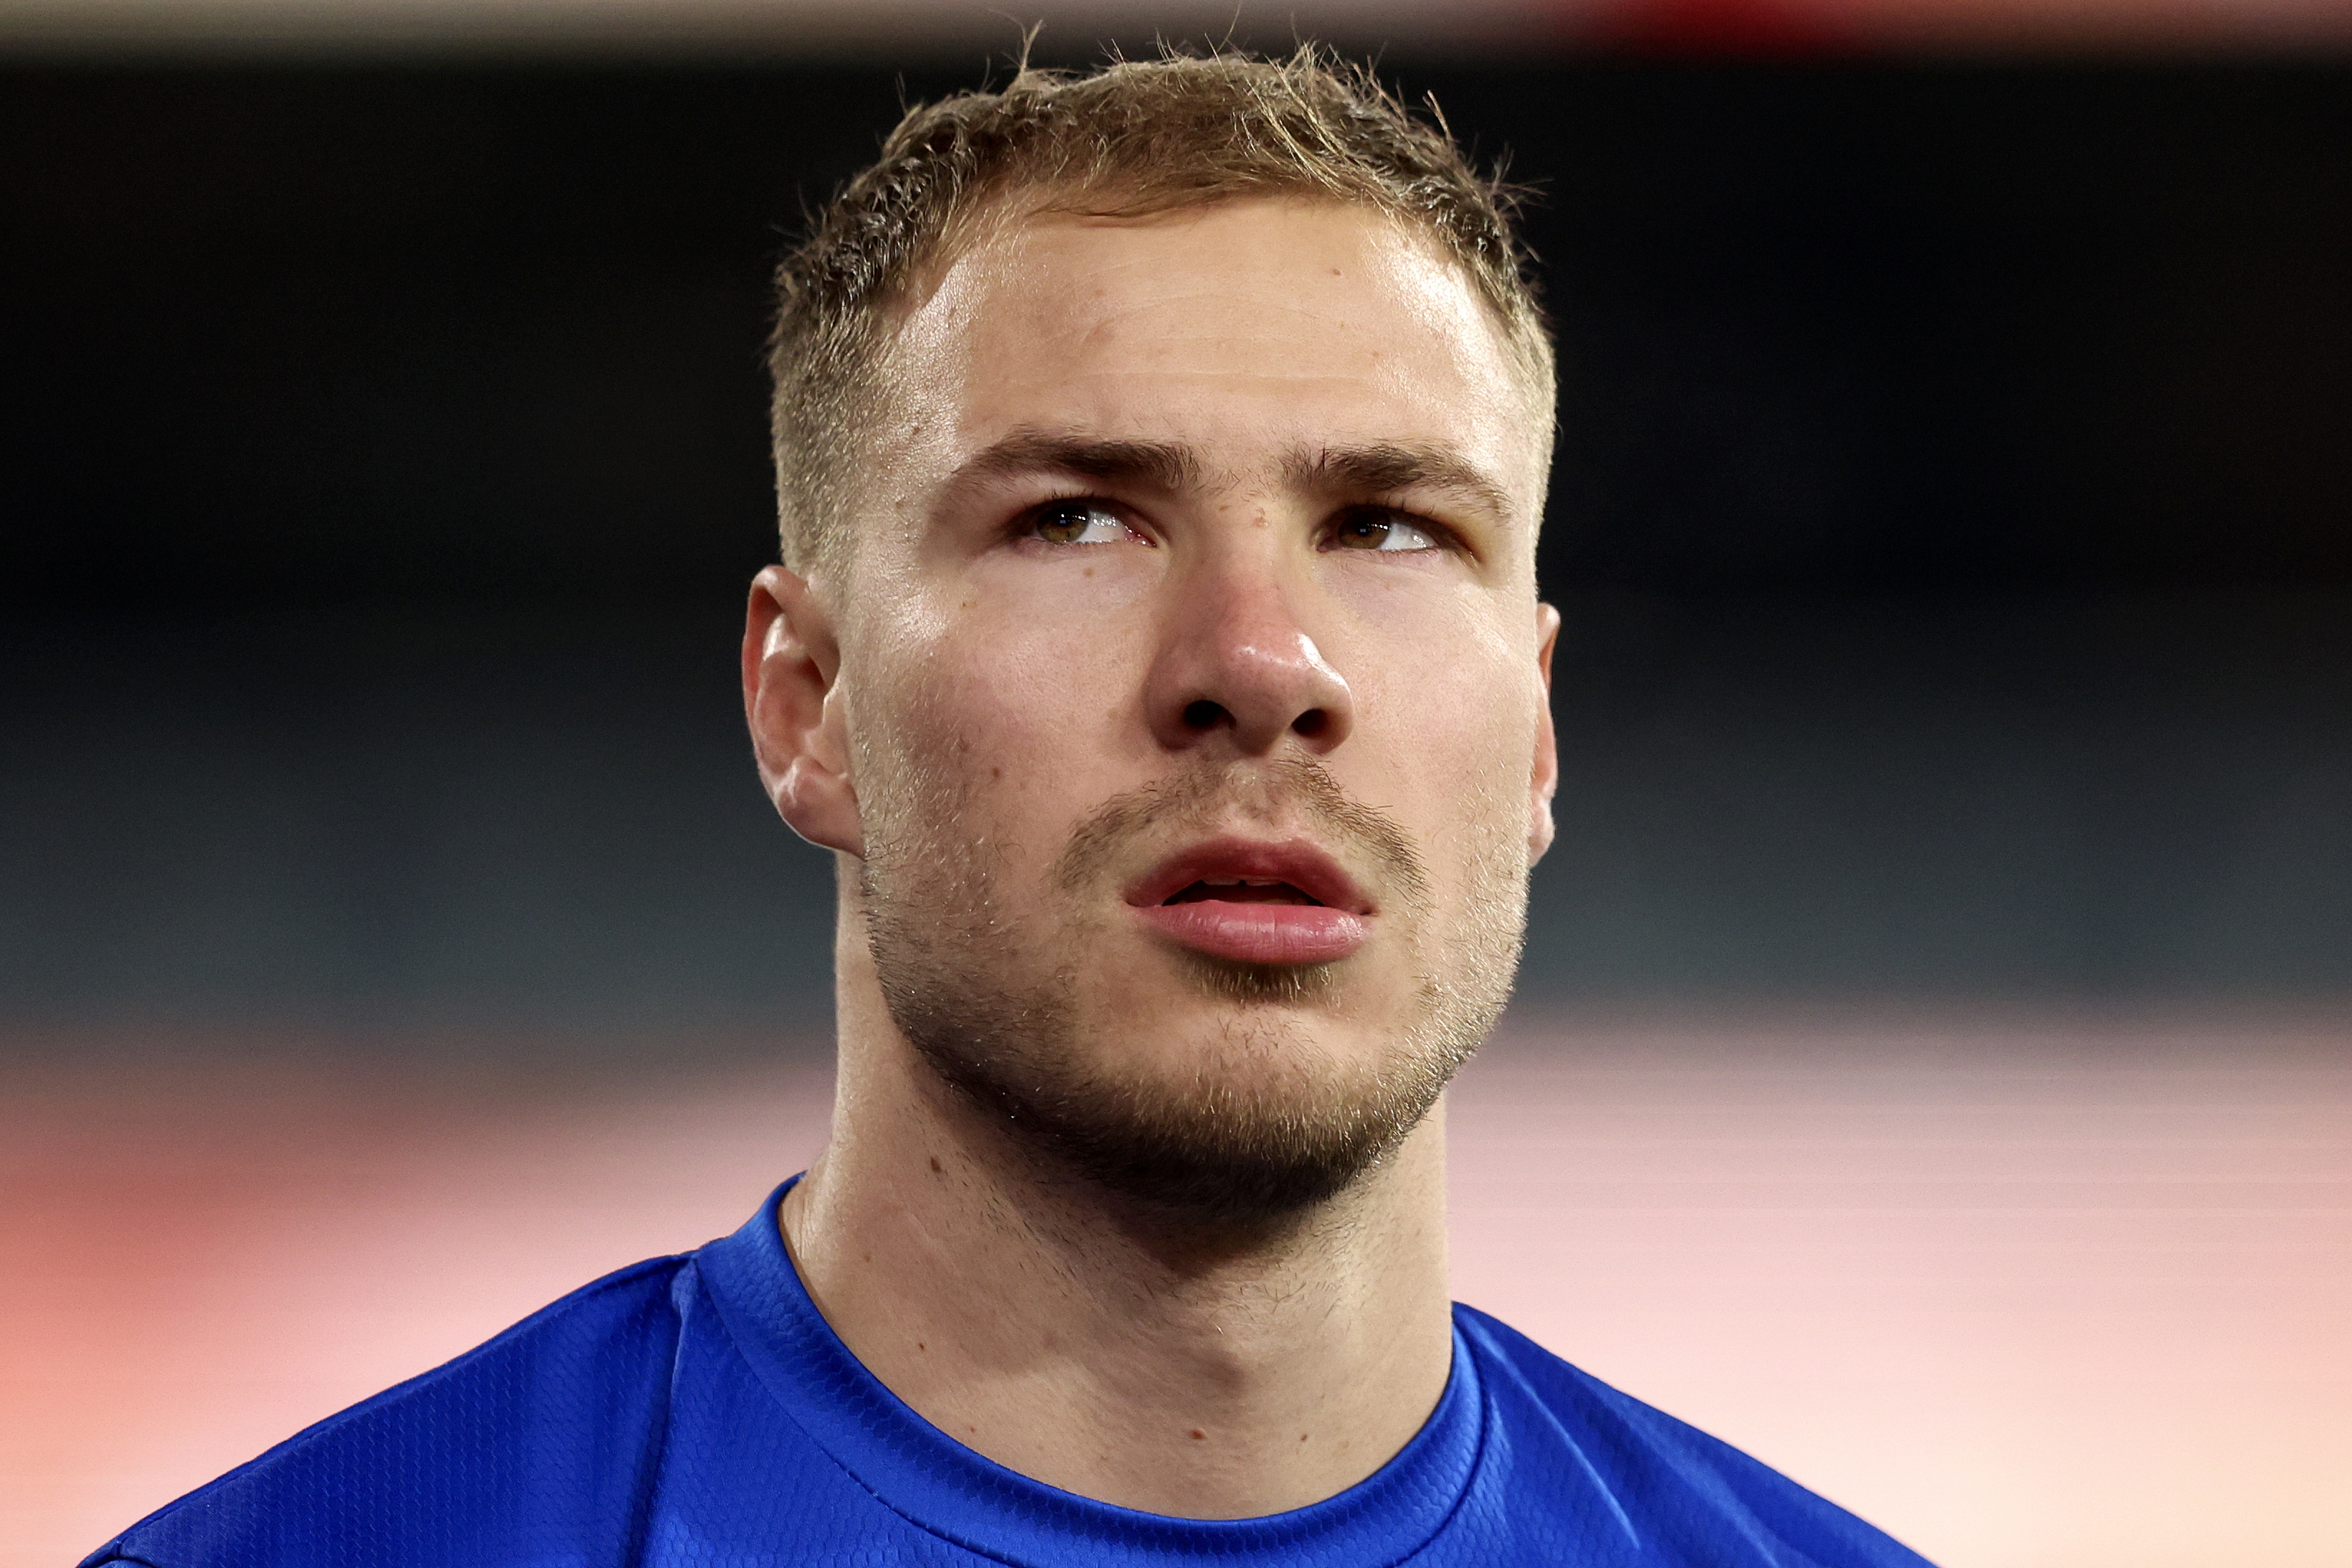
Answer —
1933 1063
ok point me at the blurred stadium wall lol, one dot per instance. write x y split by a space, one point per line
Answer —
1931 1066
1951 521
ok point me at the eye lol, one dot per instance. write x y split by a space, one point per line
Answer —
1076 521
1374 528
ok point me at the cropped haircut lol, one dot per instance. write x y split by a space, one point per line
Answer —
1134 139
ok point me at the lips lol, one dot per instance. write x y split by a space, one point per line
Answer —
1254 903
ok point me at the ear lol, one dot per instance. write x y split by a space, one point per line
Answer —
792 665
1545 778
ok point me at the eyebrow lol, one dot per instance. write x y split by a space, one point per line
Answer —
1386 469
1381 468
1162 465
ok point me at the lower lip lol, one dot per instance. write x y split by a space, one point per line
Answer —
1259 933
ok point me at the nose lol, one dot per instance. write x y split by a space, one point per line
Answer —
1237 667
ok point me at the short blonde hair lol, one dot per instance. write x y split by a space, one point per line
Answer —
1132 139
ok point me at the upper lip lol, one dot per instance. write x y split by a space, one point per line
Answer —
1296 861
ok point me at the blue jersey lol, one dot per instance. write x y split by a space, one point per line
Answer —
698 1412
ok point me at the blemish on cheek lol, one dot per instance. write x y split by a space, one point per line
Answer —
994 773
1197 1432
1090 571
935 1161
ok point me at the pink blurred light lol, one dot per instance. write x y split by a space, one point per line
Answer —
2029 1296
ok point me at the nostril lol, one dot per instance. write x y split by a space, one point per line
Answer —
1202 715
1311 724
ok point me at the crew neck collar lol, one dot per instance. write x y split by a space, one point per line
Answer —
952 1491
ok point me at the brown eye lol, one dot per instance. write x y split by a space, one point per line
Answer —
1076 522
1374 530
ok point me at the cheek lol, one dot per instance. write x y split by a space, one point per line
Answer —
1038 702
1050 655
1456 732
1449 694
1000 715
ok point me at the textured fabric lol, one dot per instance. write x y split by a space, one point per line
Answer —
697 1412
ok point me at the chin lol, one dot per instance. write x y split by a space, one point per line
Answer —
1212 1090
1261 984
1243 1109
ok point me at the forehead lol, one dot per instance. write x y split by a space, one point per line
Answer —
1244 329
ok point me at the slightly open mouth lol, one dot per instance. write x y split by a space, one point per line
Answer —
1239 891
1216 908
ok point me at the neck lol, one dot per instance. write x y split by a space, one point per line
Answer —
1209 1372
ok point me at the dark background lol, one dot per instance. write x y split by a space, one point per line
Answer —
1951 521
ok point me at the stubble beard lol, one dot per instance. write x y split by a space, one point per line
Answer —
1263 1121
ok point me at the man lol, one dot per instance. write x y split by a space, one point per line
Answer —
1161 454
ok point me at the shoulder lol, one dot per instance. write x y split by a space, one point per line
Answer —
533 1444
1671 1491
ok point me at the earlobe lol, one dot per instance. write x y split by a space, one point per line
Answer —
792 701
1544 779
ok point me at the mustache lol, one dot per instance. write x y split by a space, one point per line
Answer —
1206 797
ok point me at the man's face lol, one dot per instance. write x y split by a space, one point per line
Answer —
1192 687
